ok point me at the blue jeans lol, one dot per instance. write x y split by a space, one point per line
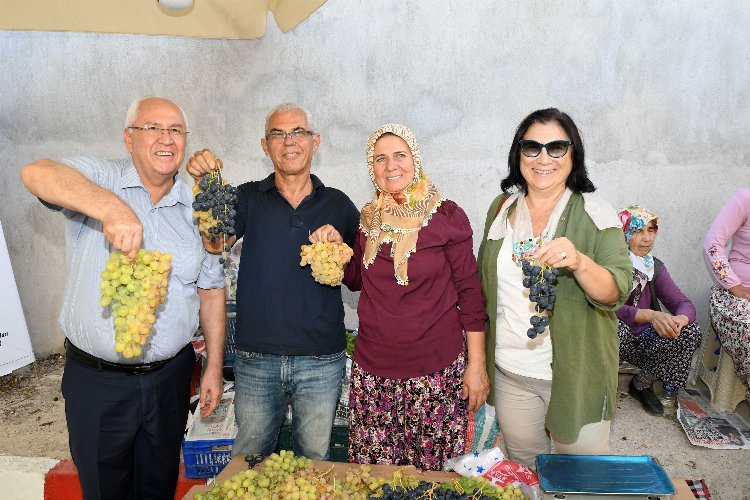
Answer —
265 384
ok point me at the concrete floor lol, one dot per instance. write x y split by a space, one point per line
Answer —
635 432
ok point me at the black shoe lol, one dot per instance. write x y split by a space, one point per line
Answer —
647 398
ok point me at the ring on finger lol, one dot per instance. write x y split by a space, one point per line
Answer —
563 255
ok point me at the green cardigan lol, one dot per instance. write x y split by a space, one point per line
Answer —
585 346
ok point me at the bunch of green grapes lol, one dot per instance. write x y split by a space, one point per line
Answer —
359 484
327 261
277 471
306 484
134 290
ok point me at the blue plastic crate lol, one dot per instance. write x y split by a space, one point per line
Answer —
206 458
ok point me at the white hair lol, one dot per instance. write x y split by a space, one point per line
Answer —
135 107
287 107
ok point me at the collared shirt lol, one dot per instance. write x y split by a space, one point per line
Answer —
281 309
168 227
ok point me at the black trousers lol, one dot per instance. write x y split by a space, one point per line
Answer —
125 430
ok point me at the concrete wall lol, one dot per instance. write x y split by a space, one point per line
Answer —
659 91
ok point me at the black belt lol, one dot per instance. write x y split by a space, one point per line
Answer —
132 369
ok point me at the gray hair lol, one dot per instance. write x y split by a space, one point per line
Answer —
287 107
135 107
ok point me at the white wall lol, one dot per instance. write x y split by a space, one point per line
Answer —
659 90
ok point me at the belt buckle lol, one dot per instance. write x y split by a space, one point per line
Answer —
140 370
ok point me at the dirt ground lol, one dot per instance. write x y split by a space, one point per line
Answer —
32 411
32 418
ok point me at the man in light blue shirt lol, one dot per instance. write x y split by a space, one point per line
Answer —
126 416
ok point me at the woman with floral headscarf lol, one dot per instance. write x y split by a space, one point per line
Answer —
730 270
660 343
419 360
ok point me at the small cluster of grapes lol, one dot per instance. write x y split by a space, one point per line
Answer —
213 208
359 483
134 290
327 261
540 280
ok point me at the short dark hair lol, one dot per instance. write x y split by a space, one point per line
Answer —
578 180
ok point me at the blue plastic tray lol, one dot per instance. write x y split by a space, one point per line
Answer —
603 474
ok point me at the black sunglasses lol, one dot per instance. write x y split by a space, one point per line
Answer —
532 149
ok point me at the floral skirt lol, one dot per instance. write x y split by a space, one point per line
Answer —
730 316
668 360
419 421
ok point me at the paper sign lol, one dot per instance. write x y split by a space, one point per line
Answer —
15 346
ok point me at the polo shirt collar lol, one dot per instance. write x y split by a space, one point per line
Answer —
270 182
178 194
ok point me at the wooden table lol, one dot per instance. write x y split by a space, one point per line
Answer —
238 464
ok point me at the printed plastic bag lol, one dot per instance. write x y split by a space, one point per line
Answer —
492 465
474 463
482 429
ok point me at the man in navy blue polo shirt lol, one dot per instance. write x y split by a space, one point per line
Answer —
290 341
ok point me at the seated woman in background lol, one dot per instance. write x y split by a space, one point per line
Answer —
730 296
660 343
419 361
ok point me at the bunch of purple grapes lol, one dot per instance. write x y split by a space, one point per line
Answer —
542 291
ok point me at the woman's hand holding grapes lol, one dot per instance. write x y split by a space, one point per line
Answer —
559 253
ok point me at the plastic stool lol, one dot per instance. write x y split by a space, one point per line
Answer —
727 391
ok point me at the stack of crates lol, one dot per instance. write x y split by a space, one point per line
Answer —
229 347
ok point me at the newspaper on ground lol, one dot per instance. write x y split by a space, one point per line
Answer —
705 426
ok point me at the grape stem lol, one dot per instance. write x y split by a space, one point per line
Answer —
326 472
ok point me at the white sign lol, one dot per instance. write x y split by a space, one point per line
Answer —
15 346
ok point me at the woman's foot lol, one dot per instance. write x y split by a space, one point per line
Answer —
648 399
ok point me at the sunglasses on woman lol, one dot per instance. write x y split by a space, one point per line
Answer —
532 149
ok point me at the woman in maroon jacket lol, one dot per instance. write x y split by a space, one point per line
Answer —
660 343
419 361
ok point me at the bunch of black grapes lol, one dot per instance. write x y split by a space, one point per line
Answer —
428 490
540 280
213 208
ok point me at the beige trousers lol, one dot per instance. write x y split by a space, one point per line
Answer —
521 406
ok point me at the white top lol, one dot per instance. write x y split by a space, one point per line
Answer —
514 350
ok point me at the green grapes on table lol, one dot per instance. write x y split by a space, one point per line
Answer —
134 290
327 261
284 476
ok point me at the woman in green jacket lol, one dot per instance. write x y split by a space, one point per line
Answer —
555 361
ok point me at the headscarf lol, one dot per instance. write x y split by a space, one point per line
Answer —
386 220
634 218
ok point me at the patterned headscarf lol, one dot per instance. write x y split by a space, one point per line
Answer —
396 218
633 219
